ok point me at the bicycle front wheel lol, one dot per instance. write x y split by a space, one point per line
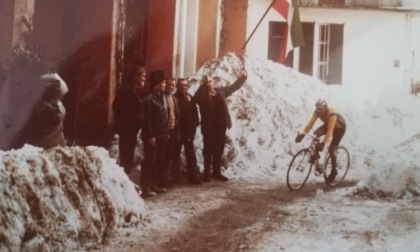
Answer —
343 164
299 170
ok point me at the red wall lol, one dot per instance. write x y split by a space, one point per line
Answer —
234 29
207 28
160 36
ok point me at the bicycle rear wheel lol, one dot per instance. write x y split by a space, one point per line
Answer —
343 164
299 170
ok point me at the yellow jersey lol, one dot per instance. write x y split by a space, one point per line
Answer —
331 118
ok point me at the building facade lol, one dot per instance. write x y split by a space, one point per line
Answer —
349 42
88 43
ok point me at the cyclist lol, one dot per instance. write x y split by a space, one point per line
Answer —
334 125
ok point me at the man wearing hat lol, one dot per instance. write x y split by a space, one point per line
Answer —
215 120
155 135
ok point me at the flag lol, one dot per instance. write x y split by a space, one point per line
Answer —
293 34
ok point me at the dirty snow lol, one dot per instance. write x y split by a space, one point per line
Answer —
63 198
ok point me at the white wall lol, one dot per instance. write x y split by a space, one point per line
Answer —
410 3
375 41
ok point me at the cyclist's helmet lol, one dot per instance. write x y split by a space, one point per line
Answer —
321 106
321 103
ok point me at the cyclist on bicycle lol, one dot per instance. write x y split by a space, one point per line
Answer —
334 125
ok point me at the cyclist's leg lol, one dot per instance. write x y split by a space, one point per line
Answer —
336 139
332 150
322 130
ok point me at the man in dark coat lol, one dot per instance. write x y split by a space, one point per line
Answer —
155 135
215 120
188 123
128 114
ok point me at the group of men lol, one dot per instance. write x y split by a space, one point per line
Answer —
167 116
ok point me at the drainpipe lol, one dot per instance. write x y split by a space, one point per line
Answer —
409 69
219 27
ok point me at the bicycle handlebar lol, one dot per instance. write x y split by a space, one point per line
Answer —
315 138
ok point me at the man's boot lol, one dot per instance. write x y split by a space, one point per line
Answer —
333 156
207 164
217 174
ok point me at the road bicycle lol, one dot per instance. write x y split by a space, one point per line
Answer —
302 162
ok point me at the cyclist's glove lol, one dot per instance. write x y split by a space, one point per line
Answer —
299 138
320 146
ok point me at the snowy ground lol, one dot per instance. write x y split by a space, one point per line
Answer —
68 198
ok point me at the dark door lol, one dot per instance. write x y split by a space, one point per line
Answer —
275 38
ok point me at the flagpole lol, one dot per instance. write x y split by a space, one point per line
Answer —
250 36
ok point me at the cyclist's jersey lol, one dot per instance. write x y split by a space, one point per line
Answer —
331 118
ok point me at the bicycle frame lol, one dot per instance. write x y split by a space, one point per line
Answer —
319 167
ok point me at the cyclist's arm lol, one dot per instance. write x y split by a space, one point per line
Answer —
331 125
311 123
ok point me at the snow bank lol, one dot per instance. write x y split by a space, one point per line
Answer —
396 173
63 198
274 103
277 101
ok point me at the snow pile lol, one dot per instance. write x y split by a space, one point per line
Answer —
396 173
64 198
391 144
276 102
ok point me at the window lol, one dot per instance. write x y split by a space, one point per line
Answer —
323 53
336 54
275 40
330 53
277 29
328 47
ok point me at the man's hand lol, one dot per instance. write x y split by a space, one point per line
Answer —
244 73
320 146
299 138
240 53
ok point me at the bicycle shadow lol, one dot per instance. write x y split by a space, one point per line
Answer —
313 186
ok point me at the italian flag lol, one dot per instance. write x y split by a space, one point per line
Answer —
293 34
